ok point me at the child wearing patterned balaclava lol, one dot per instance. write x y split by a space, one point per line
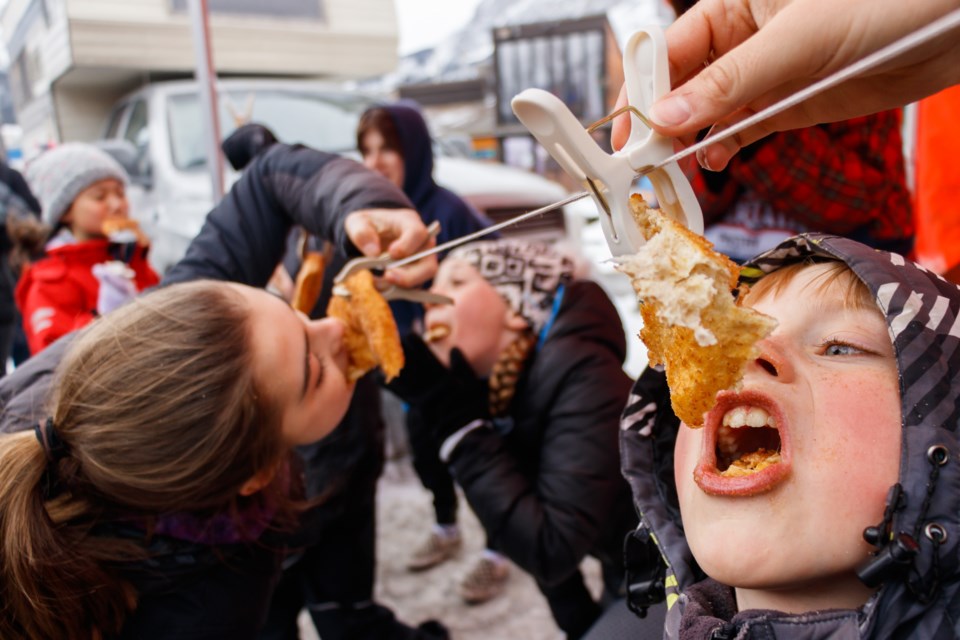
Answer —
520 384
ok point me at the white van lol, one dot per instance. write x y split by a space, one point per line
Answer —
159 130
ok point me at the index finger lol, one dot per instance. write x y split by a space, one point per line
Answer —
407 231
413 274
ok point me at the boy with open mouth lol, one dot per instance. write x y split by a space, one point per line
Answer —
820 498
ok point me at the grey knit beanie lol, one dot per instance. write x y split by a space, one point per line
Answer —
57 176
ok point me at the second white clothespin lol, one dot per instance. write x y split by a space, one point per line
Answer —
609 177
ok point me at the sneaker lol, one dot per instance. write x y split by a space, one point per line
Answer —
436 549
485 581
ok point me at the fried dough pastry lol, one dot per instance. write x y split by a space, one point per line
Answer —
309 282
436 332
750 463
371 336
692 324
114 226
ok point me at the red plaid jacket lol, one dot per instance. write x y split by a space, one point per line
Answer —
845 178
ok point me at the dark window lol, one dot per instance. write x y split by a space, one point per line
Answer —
566 59
113 123
276 8
20 83
137 124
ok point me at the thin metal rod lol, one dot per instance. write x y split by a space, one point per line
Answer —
456 242
934 29
629 107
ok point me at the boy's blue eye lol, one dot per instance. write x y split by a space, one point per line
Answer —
841 349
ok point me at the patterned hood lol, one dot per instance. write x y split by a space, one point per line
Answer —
923 516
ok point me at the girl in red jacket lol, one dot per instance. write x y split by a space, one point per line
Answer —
94 258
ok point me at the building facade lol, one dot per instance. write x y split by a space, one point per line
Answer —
71 59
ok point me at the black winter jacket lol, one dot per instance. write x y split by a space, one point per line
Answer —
548 490
16 200
187 590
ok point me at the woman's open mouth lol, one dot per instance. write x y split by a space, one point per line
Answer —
745 446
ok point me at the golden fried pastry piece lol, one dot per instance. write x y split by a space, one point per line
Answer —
309 282
692 324
371 337
436 333
750 463
112 227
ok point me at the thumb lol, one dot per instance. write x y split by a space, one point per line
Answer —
362 233
745 76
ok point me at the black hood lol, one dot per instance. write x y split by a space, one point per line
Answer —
587 311
416 149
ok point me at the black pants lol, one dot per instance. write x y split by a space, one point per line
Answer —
334 576
331 567
432 472
573 608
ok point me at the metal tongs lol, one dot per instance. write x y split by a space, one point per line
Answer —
608 177
378 266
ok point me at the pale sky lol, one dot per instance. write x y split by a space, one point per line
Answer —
424 23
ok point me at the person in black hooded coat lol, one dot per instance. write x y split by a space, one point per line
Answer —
521 399
395 142
16 200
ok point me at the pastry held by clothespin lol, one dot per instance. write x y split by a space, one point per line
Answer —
609 177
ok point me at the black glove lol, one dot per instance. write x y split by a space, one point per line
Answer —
447 399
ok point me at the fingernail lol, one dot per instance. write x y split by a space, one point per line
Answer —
670 111
715 157
370 249
702 159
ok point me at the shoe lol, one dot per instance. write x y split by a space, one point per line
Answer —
485 581
436 549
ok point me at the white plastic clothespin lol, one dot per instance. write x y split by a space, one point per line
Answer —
609 177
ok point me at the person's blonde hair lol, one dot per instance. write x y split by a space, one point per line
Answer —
160 412
855 294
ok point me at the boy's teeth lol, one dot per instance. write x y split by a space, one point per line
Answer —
748 417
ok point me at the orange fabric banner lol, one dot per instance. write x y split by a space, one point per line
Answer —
937 191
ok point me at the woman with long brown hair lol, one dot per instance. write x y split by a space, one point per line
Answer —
148 459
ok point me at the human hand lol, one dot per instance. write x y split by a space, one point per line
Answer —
116 285
401 233
125 231
730 59
448 398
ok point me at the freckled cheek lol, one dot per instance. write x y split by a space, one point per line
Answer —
864 406
859 417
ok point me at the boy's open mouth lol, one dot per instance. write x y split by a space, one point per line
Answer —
744 446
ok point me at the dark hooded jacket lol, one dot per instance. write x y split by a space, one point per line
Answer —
432 202
545 483
918 597
191 590
16 200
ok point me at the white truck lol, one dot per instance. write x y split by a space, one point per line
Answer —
157 132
